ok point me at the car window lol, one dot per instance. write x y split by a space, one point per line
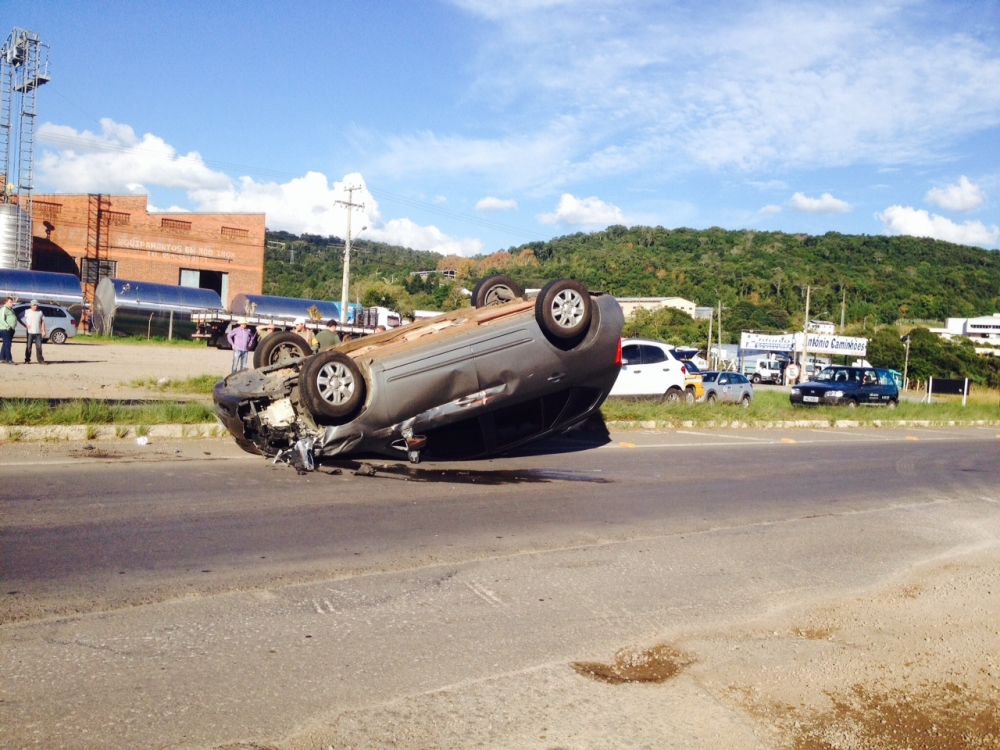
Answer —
709 377
691 366
827 376
630 354
50 312
870 378
885 377
651 354
737 378
723 379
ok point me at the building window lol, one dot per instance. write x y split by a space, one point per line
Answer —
233 233
217 281
118 218
45 210
92 271
175 225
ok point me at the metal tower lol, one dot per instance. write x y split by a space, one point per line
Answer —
24 66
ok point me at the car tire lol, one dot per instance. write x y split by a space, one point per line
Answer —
745 401
711 399
495 290
892 404
851 404
755 380
58 336
332 386
673 396
563 310
689 397
281 347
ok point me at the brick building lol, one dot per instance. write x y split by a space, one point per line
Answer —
98 236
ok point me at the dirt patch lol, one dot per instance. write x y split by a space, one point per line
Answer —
657 664
937 717
95 453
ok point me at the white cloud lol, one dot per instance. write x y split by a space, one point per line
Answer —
919 223
116 158
961 197
771 210
825 204
440 200
496 204
634 85
583 212
407 233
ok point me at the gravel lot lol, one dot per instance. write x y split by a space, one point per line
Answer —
80 369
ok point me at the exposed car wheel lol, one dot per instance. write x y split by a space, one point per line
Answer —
673 396
745 402
689 397
755 379
332 386
711 399
852 404
58 336
495 290
563 309
280 347
891 404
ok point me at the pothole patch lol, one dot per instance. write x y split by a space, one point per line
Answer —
656 664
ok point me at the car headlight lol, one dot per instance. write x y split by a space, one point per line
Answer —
796 391
835 394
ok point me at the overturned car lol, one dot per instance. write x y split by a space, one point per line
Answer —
475 382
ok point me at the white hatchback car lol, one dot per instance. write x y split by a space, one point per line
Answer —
649 369
59 322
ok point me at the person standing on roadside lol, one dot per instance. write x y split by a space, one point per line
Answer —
8 322
34 324
241 339
299 327
328 337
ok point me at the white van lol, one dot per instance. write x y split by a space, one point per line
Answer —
59 323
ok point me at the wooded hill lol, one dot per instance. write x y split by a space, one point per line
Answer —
759 277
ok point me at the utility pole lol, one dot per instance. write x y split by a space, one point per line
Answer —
719 317
843 308
344 295
711 317
805 335
906 362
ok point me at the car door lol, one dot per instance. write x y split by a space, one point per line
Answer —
870 389
724 391
660 370
629 377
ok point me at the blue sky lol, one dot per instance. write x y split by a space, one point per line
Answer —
475 125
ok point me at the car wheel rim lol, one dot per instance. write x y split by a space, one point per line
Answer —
499 295
568 308
335 383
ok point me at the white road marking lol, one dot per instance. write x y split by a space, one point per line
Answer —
734 437
485 594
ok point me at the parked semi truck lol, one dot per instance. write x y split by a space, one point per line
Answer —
261 311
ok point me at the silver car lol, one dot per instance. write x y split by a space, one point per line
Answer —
473 382
726 387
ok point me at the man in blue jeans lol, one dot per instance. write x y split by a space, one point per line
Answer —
241 339
8 322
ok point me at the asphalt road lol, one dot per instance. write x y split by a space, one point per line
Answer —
192 600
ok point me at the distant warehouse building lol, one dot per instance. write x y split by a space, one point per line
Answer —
115 236
631 304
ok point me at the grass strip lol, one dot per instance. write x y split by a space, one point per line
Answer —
38 412
200 384
774 406
96 338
